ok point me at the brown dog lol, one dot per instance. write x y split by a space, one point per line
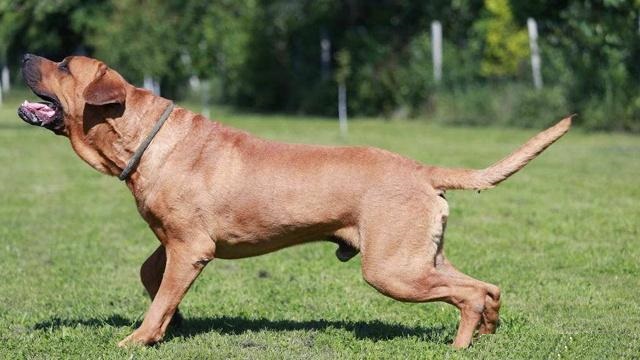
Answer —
210 191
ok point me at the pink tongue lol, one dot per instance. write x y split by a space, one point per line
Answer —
41 109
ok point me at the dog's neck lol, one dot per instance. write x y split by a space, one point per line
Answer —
114 132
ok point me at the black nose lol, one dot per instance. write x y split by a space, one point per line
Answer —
27 57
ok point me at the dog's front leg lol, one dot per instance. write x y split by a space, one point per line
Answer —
151 276
183 265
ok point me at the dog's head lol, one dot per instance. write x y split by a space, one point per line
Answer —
84 100
67 88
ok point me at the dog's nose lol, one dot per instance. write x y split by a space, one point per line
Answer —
27 57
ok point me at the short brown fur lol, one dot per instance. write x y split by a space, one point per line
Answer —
210 191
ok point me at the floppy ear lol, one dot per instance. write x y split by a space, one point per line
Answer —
107 88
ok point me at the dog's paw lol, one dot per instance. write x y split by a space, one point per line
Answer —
136 338
127 342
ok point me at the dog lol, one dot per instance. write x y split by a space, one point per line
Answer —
211 191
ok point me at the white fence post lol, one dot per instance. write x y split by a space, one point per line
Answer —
148 83
436 45
342 109
535 53
205 89
5 79
151 84
156 87
194 83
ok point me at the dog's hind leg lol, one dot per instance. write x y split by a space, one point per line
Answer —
477 301
412 268
490 314
151 273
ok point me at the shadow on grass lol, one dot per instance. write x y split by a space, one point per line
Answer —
113 320
228 325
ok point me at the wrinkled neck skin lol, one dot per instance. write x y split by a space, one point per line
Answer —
109 135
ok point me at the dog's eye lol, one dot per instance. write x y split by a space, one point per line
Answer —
64 66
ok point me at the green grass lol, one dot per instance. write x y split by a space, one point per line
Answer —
561 239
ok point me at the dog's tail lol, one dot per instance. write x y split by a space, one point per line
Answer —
469 179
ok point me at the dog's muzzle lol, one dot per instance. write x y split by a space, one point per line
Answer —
47 113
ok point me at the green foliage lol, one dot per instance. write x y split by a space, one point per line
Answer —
344 66
49 28
538 109
506 46
220 47
631 119
146 45
598 43
500 104
265 54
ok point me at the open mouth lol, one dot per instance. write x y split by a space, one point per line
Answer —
47 114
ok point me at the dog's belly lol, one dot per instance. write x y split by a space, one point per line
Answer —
240 244
263 214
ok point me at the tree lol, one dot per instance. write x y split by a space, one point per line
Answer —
505 44
219 48
141 40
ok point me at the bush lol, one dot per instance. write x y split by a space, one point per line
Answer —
539 108
469 106
500 104
631 120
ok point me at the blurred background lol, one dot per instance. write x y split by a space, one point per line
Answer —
454 62
560 238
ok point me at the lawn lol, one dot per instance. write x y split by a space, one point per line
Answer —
561 239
